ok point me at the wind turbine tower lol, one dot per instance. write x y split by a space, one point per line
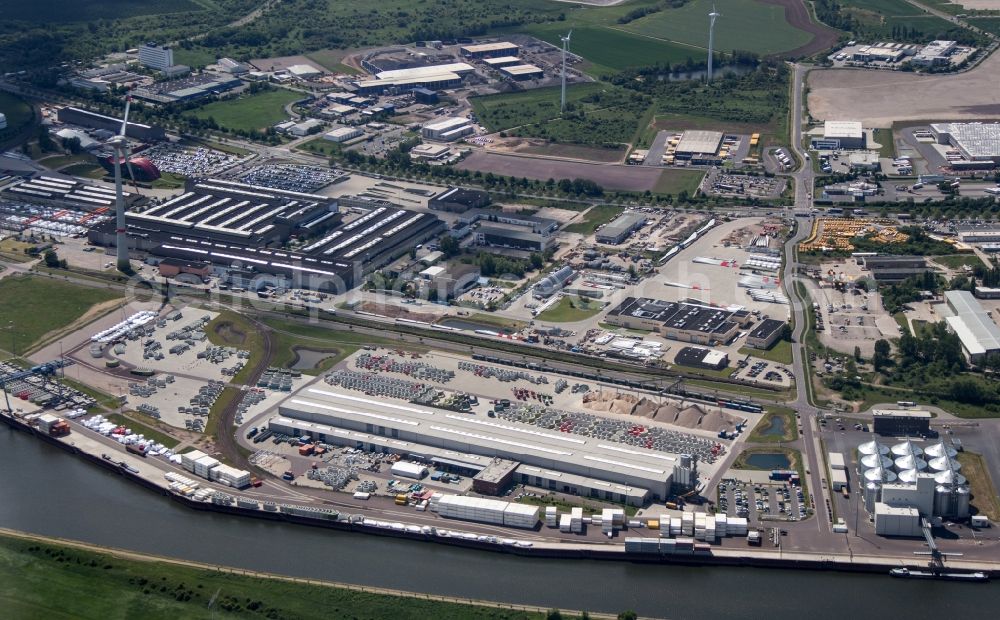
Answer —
119 145
711 39
565 49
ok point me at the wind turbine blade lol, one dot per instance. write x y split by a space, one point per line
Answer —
128 103
128 164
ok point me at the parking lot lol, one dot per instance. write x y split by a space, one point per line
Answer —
292 177
187 161
723 184
761 503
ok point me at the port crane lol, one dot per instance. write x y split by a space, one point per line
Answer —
47 369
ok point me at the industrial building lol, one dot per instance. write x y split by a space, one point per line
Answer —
553 283
502 61
433 77
698 142
304 71
490 50
513 237
67 192
459 200
980 336
842 135
901 422
621 228
447 129
522 72
894 269
243 228
906 484
232 66
697 357
85 118
159 57
978 234
935 54
440 436
539 225
977 142
304 128
686 322
444 283
343 134
765 334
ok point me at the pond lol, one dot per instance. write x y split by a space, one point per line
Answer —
768 460
776 426
307 359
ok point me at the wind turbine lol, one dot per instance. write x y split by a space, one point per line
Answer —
565 49
119 145
711 39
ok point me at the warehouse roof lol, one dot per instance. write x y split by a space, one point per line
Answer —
699 141
625 222
974 327
423 72
766 327
843 129
521 70
682 316
488 47
502 60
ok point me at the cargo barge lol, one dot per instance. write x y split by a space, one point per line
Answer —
331 519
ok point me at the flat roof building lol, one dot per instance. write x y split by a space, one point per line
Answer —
304 71
447 129
686 322
522 72
980 336
502 61
86 118
899 422
846 134
697 357
621 228
488 50
155 56
353 420
699 142
343 134
976 141
459 200
517 238
765 334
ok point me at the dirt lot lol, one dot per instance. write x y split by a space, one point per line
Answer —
797 15
629 178
534 146
878 99
282 62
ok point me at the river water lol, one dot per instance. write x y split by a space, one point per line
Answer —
47 491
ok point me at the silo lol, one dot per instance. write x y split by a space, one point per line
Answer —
873 491
938 450
871 461
949 477
872 447
942 500
908 476
944 464
878 474
961 504
906 448
910 462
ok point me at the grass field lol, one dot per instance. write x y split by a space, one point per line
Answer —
957 261
606 49
989 24
195 57
148 431
286 336
169 180
595 113
87 10
320 145
750 26
884 7
18 113
89 171
41 580
600 214
780 353
38 306
55 162
571 309
250 112
12 249
677 181
576 151
984 495
230 329
331 61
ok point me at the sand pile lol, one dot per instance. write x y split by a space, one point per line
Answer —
692 416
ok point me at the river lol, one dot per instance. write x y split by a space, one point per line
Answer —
47 491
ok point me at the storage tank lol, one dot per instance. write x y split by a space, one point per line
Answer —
944 464
961 499
872 461
949 477
910 462
906 448
879 474
872 447
873 490
942 500
938 450
908 476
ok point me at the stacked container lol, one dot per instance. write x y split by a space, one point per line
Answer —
576 520
551 516
687 523
203 466
188 459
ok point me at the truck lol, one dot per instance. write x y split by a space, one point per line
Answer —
136 448
402 500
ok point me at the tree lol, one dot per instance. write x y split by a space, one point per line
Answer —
553 614
449 245
857 353
537 260
51 259
786 332
628 615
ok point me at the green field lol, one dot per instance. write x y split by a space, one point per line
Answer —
42 580
169 180
607 50
195 57
18 114
90 171
331 61
249 112
984 495
595 114
677 181
320 145
594 217
898 8
750 26
780 353
286 336
38 305
571 309
989 24
86 10
957 261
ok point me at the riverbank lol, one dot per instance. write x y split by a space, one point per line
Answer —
39 574
149 474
